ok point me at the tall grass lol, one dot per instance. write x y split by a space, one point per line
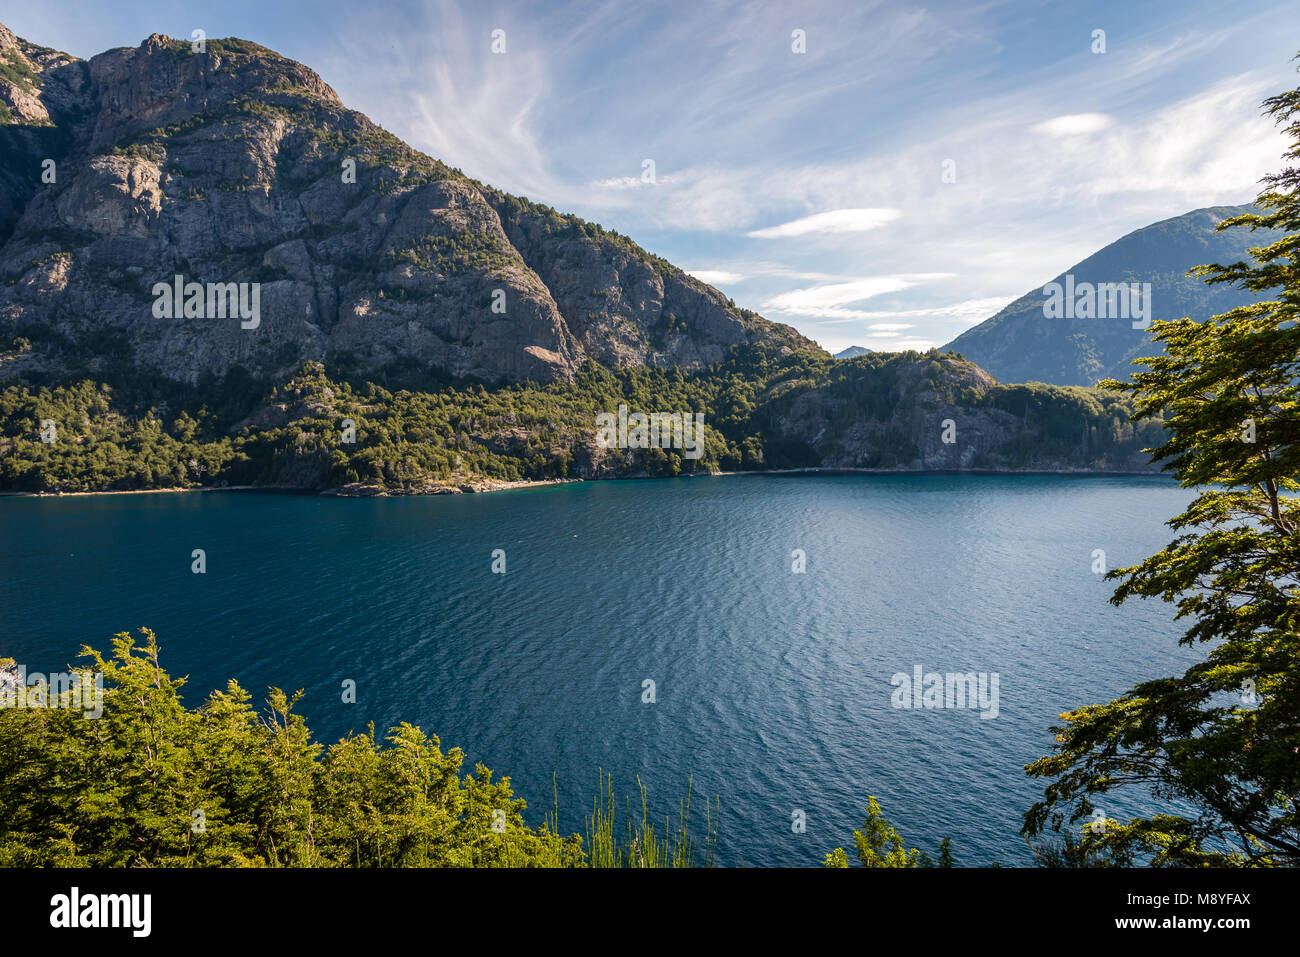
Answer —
637 842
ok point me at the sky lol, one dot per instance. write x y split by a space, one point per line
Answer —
883 174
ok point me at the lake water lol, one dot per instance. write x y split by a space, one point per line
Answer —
772 689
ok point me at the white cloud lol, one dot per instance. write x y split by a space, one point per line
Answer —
968 312
828 301
630 182
1194 147
1076 124
835 221
715 277
617 182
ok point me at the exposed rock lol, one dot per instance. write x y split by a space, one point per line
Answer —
235 165
935 413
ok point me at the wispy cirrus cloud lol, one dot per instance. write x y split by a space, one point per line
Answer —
961 314
829 301
1075 124
833 221
715 277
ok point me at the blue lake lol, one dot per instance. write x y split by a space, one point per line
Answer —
772 689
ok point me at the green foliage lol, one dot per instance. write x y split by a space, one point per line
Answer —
16 70
126 789
880 845
229 46
151 783
1070 852
417 431
641 845
456 254
1223 737
96 447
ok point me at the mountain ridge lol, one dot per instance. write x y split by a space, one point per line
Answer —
202 162
1019 344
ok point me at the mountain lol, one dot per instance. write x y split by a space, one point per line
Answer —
937 412
195 290
1020 344
852 352
234 165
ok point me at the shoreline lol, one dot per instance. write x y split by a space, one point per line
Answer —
367 491
490 485
847 470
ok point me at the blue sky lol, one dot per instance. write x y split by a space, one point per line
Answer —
807 186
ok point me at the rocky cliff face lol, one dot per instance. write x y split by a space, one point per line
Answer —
41 103
936 412
233 165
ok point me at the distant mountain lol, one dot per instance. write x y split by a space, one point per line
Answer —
234 165
852 352
1020 344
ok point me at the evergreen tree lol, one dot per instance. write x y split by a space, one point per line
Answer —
880 845
1224 737
150 783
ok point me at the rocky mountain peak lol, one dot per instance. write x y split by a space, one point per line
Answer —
164 82
8 41
229 164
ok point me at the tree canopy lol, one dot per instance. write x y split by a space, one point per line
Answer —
1219 744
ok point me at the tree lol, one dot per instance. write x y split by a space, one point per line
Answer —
1224 737
150 783
880 845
